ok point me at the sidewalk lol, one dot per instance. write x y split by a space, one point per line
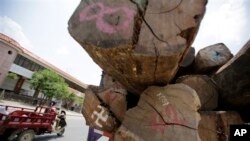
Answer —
25 105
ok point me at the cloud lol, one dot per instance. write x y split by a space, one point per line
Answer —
14 30
225 21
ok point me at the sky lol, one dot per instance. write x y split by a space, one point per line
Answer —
41 27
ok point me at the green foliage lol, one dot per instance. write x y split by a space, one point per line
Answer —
79 100
71 97
49 83
12 76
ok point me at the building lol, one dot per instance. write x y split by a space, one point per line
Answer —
18 60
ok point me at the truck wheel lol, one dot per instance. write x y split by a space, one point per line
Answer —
27 135
61 132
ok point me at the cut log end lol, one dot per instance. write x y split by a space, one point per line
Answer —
204 87
139 43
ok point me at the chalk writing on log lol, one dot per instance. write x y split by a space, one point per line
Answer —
163 99
99 116
87 14
160 125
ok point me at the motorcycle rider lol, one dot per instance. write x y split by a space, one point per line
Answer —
62 118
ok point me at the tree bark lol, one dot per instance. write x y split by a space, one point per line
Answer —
36 93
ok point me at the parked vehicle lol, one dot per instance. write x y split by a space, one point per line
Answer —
22 124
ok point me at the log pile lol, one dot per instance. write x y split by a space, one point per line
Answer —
233 81
153 86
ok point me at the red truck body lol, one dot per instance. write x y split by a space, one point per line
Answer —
16 119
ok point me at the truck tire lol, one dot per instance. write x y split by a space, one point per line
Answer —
27 135
61 132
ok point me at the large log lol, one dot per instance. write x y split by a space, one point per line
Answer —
233 80
139 43
210 58
124 134
96 115
187 64
188 59
163 113
113 94
204 87
215 126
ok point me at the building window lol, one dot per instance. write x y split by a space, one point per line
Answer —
21 61
36 67
9 52
27 63
32 68
17 59
41 68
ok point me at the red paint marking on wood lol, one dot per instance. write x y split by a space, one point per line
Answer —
159 125
109 96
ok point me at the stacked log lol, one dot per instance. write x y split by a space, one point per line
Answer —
211 58
233 80
141 45
113 94
204 87
215 126
96 115
163 113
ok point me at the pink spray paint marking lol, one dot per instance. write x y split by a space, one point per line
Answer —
101 24
159 125
109 96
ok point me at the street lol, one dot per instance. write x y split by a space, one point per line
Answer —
76 130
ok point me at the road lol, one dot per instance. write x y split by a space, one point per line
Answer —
76 130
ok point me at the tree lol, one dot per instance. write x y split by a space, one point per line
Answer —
12 75
49 83
70 99
79 100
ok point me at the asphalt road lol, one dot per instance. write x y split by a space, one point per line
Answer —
76 130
